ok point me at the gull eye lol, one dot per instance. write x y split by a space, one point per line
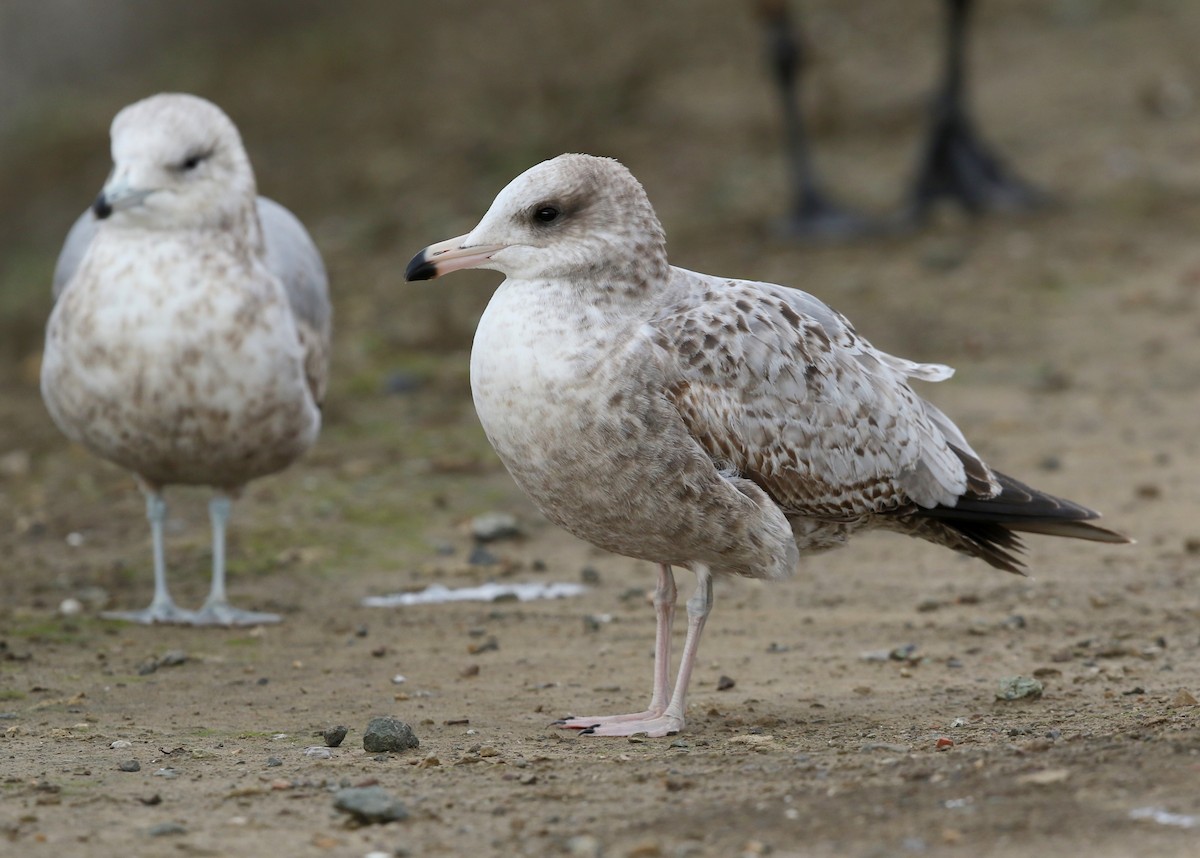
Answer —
546 214
192 161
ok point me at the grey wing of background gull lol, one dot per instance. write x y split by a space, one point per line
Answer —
291 256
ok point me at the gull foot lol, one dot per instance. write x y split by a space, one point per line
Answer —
652 724
224 614
157 612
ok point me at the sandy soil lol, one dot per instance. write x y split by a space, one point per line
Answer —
862 718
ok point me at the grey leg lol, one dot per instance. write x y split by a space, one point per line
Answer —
162 608
217 611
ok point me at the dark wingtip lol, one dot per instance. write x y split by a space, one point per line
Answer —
101 208
420 268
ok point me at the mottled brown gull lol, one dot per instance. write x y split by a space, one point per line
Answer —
189 339
723 425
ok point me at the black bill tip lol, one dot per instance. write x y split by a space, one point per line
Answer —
101 208
420 268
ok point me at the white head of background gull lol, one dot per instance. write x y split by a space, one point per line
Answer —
723 425
189 340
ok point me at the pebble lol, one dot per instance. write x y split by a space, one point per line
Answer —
318 752
166 772
121 743
15 463
166 829
369 805
130 766
493 526
725 683
589 575
70 607
272 762
480 556
1183 698
583 846
334 735
1019 688
389 734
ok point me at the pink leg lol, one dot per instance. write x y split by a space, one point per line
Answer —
665 595
671 720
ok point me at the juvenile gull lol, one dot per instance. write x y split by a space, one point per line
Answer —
723 425
189 340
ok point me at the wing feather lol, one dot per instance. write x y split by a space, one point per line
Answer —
778 387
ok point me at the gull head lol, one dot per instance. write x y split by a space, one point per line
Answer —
178 163
574 216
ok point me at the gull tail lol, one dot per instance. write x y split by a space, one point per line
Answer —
987 527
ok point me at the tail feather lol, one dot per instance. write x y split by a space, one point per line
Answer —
984 526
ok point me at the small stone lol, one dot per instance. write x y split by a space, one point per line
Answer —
173 658
166 829
389 734
272 762
493 526
1019 688
70 607
129 766
486 646
583 846
725 683
318 752
589 575
369 805
943 743
1183 698
166 772
121 743
15 463
480 556
1045 777
334 735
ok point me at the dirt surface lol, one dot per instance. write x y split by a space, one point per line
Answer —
862 716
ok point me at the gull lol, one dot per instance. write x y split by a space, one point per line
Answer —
722 425
189 340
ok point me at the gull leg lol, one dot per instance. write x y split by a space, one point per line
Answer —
162 608
814 214
216 610
671 721
665 595
956 163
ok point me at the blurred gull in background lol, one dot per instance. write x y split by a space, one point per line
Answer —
189 341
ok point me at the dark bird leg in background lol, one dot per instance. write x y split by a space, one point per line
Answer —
955 163
814 214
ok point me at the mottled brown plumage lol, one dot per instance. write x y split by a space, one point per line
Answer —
724 425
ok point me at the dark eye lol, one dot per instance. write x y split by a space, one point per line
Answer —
546 214
192 161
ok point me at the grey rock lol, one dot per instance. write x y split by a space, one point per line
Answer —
334 735
129 766
369 805
492 526
1019 688
389 734
166 829
480 556
272 762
